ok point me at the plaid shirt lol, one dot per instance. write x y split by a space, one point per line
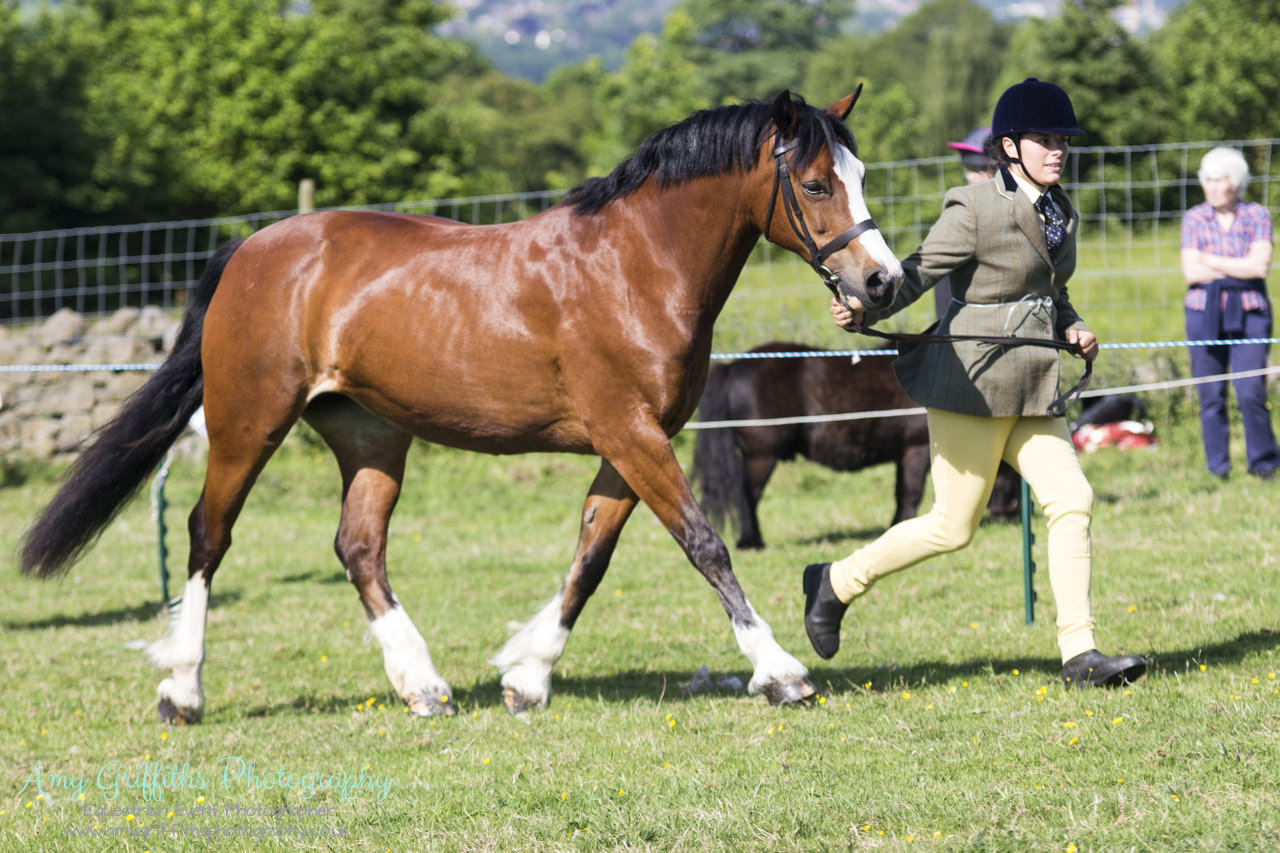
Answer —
1200 231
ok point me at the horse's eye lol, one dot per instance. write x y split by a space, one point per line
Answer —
813 188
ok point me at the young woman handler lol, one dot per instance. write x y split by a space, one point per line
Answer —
1009 246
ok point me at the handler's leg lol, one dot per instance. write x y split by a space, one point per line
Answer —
1210 361
966 452
1041 450
1251 393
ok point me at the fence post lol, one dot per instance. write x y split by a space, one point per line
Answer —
1028 564
306 195
158 504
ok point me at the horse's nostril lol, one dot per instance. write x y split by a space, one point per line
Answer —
877 285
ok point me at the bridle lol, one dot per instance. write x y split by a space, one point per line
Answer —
791 206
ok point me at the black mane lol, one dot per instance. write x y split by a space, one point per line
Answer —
709 142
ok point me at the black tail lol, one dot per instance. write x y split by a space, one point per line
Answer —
128 448
718 471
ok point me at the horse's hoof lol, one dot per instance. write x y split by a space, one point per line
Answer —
799 692
175 716
516 704
433 706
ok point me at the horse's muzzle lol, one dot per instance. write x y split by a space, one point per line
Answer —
877 291
881 288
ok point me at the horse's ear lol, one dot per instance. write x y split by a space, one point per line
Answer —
841 108
785 115
844 106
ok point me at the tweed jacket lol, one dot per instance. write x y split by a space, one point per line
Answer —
990 241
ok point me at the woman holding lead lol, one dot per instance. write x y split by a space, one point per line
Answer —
1009 247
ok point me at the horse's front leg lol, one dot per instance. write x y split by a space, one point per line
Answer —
527 659
649 465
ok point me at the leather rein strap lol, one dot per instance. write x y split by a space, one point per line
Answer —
791 207
1056 409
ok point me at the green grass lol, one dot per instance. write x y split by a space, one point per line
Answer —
943 725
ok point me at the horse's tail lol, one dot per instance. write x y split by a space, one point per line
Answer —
128 448
718 470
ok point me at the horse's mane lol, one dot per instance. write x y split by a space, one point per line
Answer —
709 142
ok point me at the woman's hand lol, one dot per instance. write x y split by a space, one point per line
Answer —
847 315
1086 341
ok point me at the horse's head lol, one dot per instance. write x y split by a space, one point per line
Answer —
823 213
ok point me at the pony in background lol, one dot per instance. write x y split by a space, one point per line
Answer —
732 465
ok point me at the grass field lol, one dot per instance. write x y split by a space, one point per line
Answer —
943 723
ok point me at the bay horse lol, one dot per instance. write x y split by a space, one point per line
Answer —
583 329
732 465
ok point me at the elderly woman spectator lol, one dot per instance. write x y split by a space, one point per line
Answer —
1226 254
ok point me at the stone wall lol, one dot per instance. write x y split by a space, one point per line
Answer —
48 414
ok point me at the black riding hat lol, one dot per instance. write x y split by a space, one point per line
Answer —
1034 106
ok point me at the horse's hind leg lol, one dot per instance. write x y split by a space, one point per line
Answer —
233 466
528 657
912 468
756 472
371 456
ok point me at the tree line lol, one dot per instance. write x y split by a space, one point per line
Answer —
115 111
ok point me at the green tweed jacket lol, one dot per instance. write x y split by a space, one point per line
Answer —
990 240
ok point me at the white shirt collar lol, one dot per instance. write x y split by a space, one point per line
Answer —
1026 186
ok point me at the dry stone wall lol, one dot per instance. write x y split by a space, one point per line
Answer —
49 414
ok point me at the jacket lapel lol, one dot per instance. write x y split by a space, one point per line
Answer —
1024 213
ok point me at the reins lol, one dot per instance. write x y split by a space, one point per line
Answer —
1056 409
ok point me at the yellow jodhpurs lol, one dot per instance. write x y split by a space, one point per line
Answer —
966 452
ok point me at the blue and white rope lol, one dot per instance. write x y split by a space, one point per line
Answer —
846 353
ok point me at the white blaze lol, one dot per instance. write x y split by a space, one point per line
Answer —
850 171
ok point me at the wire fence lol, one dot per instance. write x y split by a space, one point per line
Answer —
1131 200
98 270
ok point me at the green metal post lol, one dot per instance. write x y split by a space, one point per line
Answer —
1028 564
158 507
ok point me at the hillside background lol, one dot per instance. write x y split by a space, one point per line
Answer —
530 38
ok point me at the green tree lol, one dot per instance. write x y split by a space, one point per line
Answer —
1219 58
1111 78
753 49
223 106
46 147
658 85
927 81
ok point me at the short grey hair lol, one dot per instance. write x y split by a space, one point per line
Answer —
1226 163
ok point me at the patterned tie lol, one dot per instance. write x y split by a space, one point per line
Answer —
1053 230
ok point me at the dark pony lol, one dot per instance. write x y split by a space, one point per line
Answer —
584 329
731 466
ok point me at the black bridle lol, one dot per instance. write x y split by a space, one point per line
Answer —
790 206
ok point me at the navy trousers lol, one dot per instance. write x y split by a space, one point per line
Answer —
1251 393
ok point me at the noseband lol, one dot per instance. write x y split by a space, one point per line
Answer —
782 180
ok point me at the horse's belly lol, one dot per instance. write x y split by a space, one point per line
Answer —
489 423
